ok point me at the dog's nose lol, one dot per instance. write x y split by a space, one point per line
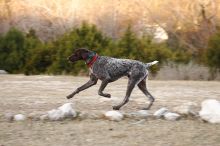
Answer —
68 59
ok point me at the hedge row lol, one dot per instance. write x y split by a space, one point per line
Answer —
25 53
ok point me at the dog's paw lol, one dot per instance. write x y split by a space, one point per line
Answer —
107 95
69 96
116 107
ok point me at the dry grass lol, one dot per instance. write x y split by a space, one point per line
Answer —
190 71
27 94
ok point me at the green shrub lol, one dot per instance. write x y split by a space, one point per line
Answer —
25 53
86 36
213 51
12 51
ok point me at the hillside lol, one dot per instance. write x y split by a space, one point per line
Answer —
54 17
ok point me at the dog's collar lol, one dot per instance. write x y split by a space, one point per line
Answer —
91 59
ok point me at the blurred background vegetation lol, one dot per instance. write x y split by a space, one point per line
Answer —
36 37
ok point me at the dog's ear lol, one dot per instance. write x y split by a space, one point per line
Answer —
83 53
75 56
79 54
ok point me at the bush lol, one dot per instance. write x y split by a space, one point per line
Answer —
143 49
39 59
212 55
25 53
85 36
213 51
12 51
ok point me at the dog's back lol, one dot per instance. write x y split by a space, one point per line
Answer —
114 68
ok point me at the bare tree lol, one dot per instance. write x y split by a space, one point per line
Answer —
54 17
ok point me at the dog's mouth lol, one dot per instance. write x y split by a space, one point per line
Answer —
69 60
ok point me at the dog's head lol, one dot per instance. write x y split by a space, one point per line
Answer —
79 54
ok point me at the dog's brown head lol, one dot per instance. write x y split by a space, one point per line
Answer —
79 54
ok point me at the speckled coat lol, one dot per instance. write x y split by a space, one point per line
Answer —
111 69
108 69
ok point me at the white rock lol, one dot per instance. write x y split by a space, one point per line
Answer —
114 115
143 113
210 111
160 113
64 111
3 72
171 116
188 108
68 111
19 117
55 115
140 114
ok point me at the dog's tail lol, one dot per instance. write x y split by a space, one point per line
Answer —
151 63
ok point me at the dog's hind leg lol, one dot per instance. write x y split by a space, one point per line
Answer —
131 85
102 87
143 88
93 80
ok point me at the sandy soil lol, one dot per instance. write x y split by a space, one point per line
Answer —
38 94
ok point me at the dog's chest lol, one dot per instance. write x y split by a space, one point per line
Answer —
98 72
90 70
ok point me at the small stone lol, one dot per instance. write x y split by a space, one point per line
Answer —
160 113
141 114
19 117
3 72
171 116
55 115
68 111
62 112
114 115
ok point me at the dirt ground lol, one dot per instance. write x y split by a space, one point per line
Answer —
38 94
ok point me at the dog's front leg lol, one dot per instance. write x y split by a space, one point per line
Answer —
93 80
102 87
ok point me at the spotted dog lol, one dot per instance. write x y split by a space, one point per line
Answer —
108 69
